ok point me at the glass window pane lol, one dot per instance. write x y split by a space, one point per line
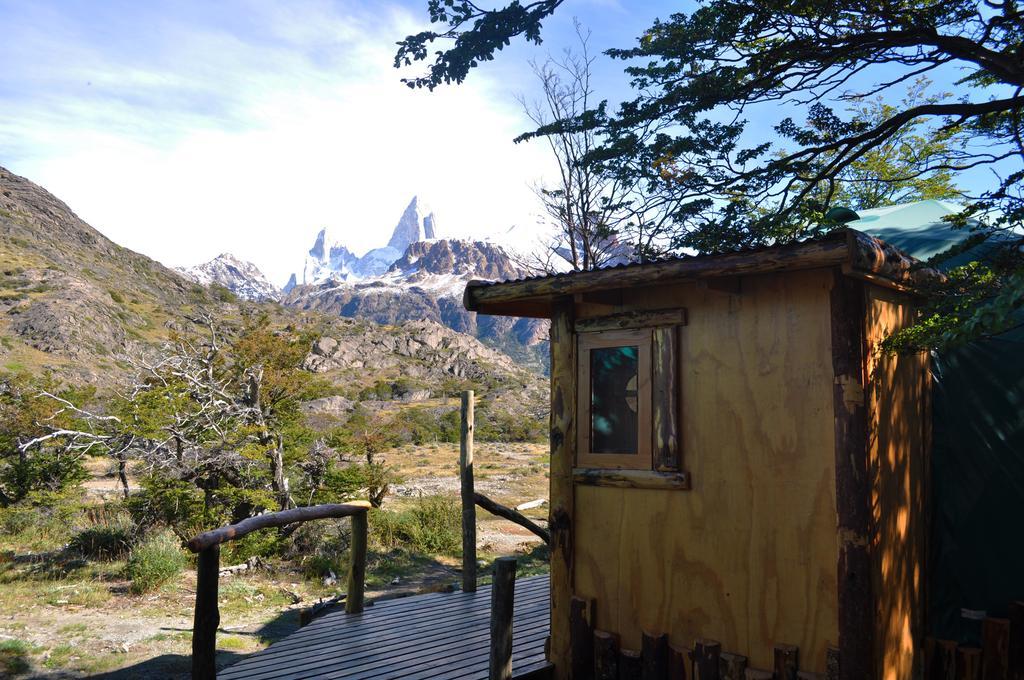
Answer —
613 399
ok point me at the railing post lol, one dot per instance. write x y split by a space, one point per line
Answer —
357 567
503 593
207 615
468 500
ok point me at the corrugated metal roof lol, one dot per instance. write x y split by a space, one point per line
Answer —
834 234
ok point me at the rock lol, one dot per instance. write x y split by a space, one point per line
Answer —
335 405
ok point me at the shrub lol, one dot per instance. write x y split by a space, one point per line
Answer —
433 525
110 541
155 562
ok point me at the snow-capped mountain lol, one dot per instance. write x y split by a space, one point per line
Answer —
330 260
426 282
242 278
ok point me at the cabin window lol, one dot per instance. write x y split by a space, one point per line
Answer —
615 399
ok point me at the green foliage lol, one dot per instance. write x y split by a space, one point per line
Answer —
711 137
116 297
155 562
171 502
974 302
431 525
14 655
25 416
222 293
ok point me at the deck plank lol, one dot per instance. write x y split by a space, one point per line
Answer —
443 636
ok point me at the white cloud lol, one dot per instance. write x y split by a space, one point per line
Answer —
217 139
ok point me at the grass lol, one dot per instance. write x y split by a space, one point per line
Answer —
14 656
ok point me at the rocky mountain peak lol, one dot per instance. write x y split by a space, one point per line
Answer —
319 249
242 278
465 259
416 224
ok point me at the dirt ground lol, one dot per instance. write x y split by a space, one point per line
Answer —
61 620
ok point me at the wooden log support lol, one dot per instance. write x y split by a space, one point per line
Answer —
665 398
732 667
275 519
606 656
940 659
631 479
629 664
511 515
581 634
468 501
653 657
853 481
632 319
706 659
786 662
832 663
207 615
1016 616
563 447
968 663
677 659
995 649
503 593
357 565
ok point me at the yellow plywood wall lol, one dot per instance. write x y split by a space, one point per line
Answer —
897 446
748 556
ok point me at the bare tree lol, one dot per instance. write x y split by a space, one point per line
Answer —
586 205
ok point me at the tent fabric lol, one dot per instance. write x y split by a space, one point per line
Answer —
976 555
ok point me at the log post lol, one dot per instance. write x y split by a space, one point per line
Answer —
995 649
468 500
653 657
677 659
581 632
629 664
705 657
1016 640
968 663
785 662
357 566
832 663
503 593
606 656
207 615
563 450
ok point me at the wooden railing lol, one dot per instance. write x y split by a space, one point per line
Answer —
207 546
471 499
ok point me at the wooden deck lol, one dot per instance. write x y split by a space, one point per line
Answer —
442 636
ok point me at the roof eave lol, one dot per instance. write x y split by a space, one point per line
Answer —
858 255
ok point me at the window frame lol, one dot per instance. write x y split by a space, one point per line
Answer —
643 459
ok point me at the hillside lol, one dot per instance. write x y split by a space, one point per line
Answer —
74 302
70 298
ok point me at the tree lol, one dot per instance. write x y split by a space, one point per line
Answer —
900 170
587 207
43 437
701 77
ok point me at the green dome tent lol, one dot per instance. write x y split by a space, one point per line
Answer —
977 538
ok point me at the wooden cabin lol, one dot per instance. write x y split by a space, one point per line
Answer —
733 459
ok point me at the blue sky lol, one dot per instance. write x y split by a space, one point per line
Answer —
184 129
